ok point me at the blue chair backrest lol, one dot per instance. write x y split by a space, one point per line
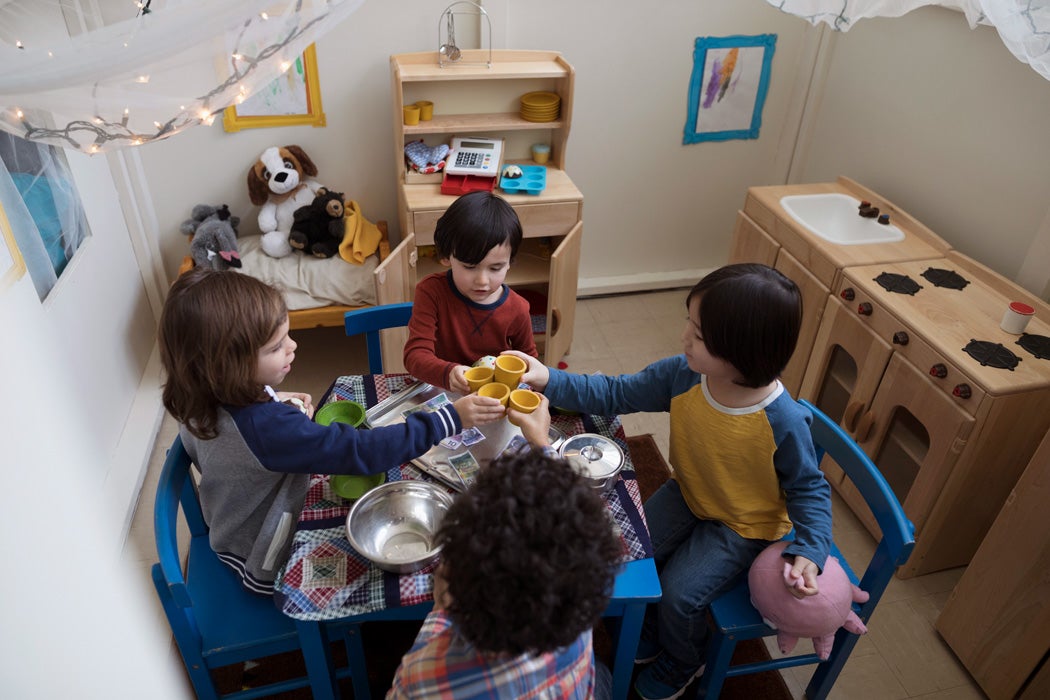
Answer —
175 485
898 533
372 320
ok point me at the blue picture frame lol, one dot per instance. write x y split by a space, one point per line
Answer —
728 86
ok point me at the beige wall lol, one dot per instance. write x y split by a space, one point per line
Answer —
947 124
938 118
654 209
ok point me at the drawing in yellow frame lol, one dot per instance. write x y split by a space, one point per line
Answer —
271 107
12 267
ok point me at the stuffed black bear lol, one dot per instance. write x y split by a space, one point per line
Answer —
318 228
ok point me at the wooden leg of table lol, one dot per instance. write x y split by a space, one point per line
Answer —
318 656
355 653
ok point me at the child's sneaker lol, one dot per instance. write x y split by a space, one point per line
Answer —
647 651
665 680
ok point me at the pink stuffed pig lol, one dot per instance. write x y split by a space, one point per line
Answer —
817 617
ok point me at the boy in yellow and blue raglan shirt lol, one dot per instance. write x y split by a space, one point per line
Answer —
745 469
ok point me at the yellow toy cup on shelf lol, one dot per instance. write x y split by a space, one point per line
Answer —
509 370
495 390
426 110
478 377
411 115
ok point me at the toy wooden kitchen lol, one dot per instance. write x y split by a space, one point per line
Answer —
481 96
909 357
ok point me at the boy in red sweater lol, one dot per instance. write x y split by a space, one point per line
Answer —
467 312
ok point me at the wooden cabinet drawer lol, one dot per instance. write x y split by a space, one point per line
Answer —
537 220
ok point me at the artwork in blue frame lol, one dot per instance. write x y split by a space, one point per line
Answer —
727 89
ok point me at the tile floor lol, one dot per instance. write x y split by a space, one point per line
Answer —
902 655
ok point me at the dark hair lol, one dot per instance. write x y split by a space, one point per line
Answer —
211 329
474 224
530 556
749 316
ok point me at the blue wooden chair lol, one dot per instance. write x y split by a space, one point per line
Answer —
372 320
215 620
735 619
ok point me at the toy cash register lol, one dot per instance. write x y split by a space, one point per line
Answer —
473 163
472 155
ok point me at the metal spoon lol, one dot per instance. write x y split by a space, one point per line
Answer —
453 50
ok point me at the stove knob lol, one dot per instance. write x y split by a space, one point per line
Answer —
847 294
939 371
864 309
900 338
962 391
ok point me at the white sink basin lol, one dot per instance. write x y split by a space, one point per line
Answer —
834 218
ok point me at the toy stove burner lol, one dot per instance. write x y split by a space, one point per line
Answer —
900 284
991 354
945 278
1038 345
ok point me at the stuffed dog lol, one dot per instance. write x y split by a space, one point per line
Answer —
280 182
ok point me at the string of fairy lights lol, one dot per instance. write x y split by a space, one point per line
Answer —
97 133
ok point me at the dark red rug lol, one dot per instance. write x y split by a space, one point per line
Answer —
387 642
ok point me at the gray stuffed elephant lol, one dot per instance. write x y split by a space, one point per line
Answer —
214 232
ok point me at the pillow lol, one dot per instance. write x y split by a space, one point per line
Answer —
308 282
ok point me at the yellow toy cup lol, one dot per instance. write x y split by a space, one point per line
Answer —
524 401
426 110
495 390
509 370
478 377
411 115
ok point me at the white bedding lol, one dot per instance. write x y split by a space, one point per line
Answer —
309 282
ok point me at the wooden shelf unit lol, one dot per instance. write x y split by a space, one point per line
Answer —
472 99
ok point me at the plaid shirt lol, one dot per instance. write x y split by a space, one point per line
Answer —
443 665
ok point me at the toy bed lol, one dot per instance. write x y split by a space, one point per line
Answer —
318 291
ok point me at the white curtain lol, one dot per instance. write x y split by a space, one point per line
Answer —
1023 25
100 74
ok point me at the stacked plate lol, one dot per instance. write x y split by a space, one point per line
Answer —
540 106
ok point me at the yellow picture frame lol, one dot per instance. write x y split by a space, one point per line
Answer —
270 108
12 266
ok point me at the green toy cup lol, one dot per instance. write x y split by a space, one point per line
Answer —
349 412
353 486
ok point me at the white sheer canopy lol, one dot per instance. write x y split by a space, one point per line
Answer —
99 74
1023 25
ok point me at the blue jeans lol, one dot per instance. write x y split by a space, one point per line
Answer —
697 561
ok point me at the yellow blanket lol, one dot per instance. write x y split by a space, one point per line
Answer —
361 238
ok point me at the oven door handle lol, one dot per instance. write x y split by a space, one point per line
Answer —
864 427
849 416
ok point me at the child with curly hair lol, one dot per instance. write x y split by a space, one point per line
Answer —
745 469
528 561
224 345
467 312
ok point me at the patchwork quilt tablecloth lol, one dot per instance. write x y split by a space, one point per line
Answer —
326 579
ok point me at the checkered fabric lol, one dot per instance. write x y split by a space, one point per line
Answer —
325 579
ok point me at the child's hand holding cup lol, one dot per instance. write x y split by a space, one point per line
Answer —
535 422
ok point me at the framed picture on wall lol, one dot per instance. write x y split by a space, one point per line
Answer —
728 86
293 98
12 266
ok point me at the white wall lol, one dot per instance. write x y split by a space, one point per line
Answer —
76 622
947 124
